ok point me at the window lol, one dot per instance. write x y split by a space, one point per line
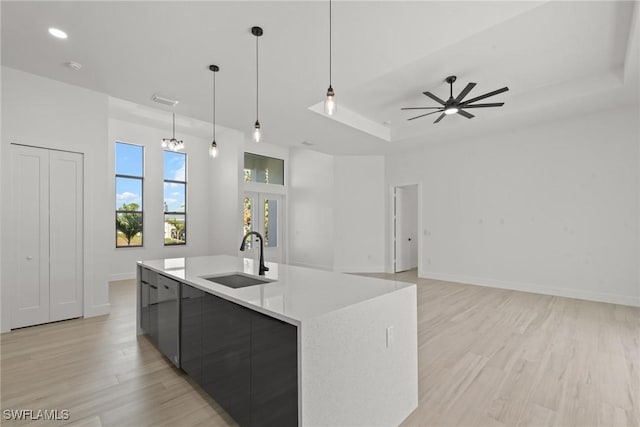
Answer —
129 177
175 198
262 169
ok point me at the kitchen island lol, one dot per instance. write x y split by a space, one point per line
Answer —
309 347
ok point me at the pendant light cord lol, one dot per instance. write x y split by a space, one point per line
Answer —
214 106
174 125
257 82
330 51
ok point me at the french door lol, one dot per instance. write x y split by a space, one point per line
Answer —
262 212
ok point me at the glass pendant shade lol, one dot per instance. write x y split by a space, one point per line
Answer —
330 105
213 150
256 132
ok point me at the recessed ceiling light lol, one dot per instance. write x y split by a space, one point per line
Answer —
75 66
57 33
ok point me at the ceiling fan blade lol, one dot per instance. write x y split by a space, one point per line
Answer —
495 104
465 92
421 108
465 114
440 117
435 98
422 115
486 95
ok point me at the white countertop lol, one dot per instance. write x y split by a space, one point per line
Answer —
296 293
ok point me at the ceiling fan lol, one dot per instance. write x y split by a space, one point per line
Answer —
457 105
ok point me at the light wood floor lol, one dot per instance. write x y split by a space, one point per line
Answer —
487 357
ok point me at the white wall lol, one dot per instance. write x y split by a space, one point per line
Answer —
336 211
551 208
122 261
225 205
358 191
46 113
311 209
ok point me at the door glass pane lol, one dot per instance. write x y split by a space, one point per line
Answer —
128 194
271 223
247 217
175 230
174 197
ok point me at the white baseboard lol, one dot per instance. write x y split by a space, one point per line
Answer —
122 276
97 310
630 300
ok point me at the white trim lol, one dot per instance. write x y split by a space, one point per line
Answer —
355 120
389 268
97 310
122 276
537 289
260 187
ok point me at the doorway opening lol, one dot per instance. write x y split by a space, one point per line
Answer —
405 228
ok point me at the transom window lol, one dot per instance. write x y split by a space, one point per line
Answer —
263 169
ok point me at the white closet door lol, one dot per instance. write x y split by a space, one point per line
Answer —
30 234
65 237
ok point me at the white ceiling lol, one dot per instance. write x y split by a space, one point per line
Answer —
558 59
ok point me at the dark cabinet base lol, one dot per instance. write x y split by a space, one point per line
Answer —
246 361
274 372
159 310
226 364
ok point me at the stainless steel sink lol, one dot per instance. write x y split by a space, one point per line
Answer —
237 280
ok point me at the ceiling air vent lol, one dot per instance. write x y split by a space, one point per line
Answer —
163 100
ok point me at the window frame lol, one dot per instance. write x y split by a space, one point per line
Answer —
174 181
120 211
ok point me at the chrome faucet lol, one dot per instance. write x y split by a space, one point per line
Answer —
263 267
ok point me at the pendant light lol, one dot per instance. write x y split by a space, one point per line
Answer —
256 31
172 143
330 105
213 150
